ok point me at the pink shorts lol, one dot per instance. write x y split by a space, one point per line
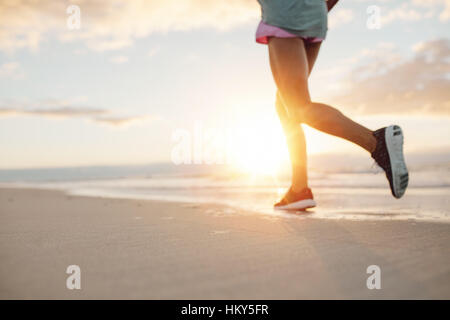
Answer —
265 31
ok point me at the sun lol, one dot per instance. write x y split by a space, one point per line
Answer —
258 145
260 149
263 150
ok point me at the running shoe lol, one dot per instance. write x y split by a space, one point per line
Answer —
296 200
388 155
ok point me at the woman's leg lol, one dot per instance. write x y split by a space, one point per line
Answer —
289 63
295 139
293 131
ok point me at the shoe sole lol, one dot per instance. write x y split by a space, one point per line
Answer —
399 172
298 205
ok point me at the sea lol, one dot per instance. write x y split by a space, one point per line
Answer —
344 187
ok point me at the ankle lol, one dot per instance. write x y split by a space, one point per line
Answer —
297 188
371 143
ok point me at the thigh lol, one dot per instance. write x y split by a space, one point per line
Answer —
288 61
312 51
290 69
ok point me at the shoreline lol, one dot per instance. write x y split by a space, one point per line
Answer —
143 249
359 204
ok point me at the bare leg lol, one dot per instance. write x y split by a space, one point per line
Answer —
289 63
296 143
295 136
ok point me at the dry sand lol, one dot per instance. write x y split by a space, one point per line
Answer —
130 249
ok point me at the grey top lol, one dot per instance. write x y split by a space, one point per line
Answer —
305 18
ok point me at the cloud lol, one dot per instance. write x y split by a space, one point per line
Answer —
61 112
402 13
433 4
11 70
340 17
385 83
114 24
64 112
118 59
122 120
6 112
97 115
153 51
414 10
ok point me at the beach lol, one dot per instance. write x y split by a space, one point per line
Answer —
144 249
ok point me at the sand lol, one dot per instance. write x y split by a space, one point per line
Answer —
130 249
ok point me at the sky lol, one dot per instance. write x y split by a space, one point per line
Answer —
138 82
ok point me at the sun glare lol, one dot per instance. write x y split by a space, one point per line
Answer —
260 149
263 150
318 142
258 145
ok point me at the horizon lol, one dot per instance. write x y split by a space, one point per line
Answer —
319 163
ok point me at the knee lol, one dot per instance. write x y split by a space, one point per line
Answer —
287 122
305 109
293 106
302 111
297 102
